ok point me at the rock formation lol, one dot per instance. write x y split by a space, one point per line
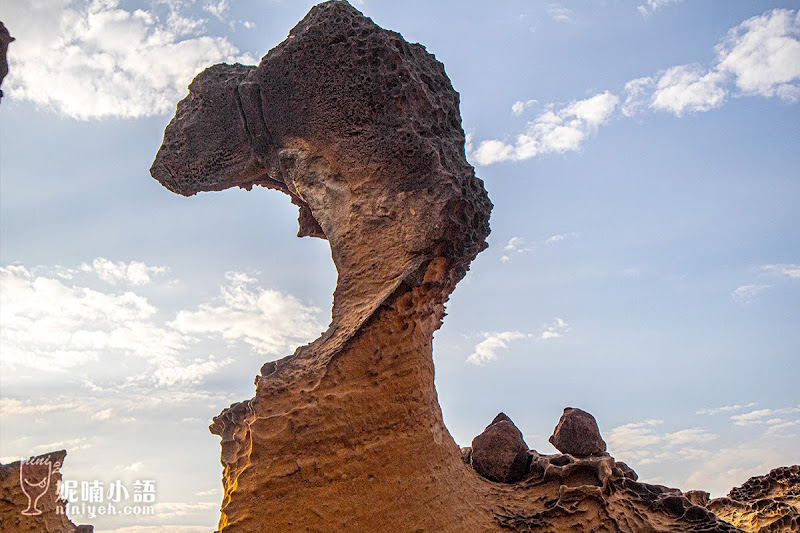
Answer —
5 40
38 508
500 453
769 503
577 434
362 131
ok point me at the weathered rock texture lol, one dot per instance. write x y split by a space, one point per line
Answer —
362 130
577 433
769 503
13 501
500 453
5 40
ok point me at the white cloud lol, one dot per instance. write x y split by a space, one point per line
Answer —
688 88
559 13
763 54
638 93
133 273
790 271
134 467
486 350
723 409
515 245
765 416
48 325
93 59
521 105
554 330
746 293
270 321
218 8
173 371
555 130
105 414
641 442
51 325
651 6
561 237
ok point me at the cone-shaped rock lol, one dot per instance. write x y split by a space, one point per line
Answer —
500 453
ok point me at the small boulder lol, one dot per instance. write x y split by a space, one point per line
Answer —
500 453
577 434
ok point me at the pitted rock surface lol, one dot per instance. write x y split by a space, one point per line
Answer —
769 503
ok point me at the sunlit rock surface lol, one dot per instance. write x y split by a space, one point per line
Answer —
769 503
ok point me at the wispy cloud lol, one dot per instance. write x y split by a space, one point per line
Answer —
559 130
514 246
555 329
520 106
759 57
789 271
559 13
133 273
51 324
486 350
267 320
723 409
553 239
651 6
747 293
95 59
769 417
643 443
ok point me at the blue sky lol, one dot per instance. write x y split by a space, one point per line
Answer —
644 261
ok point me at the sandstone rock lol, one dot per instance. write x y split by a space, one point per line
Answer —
362 131
18 509
769 503
577 434
500 453
5 40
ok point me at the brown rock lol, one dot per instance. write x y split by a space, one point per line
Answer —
577 434
500 453
769 503
38 509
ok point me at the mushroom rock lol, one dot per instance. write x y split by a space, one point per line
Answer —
500 453
18 508
5 40
362 131
577 434
769 503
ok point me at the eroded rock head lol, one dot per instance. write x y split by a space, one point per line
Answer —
362 130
